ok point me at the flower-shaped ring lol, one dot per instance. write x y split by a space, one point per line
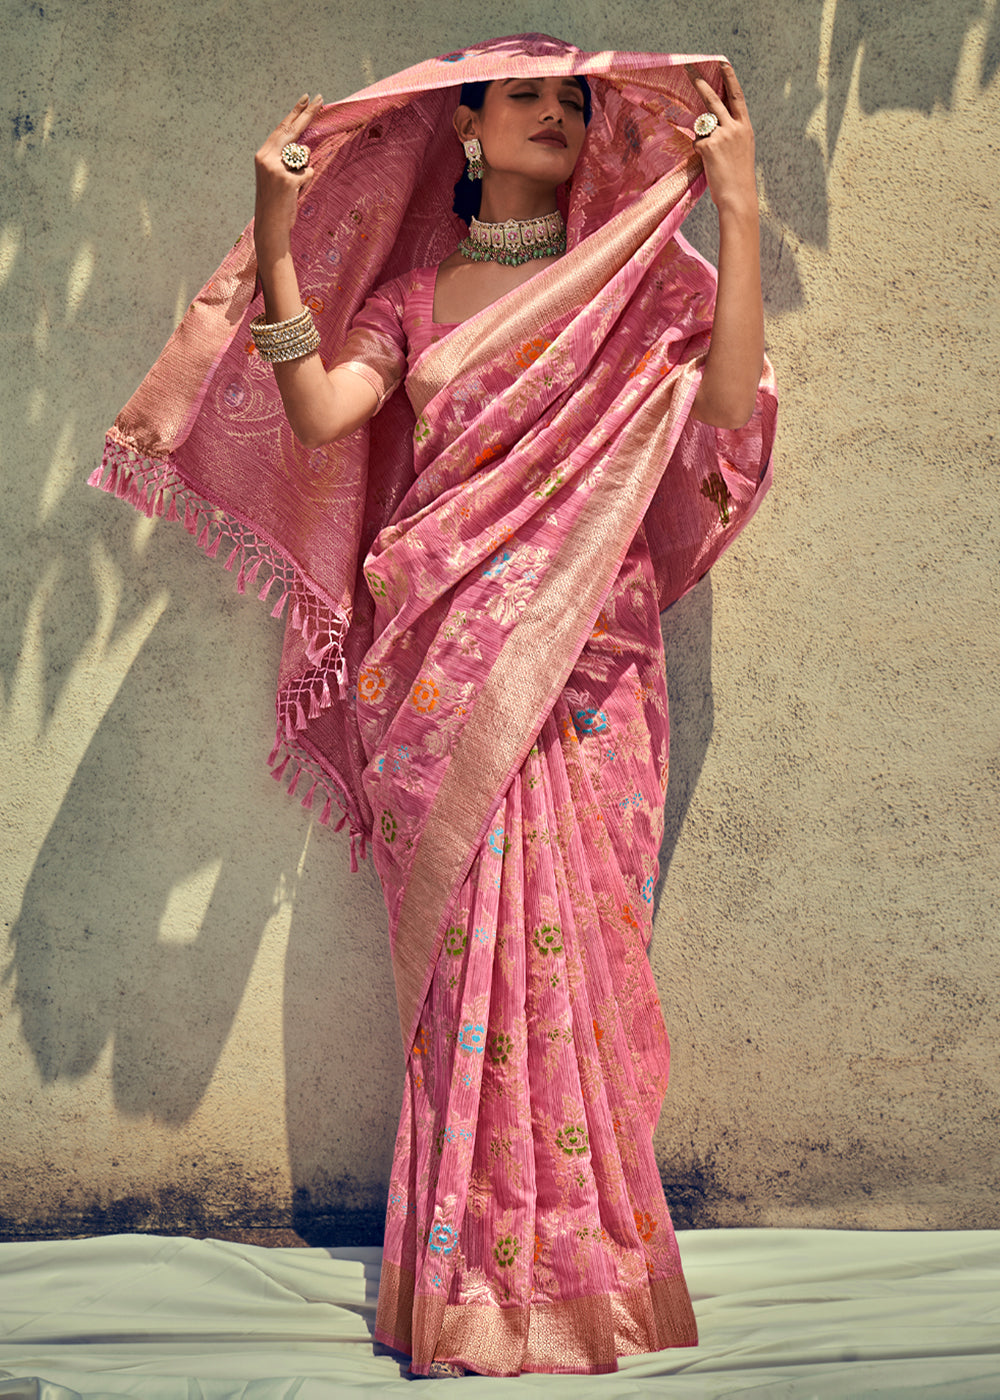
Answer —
705 124
294 157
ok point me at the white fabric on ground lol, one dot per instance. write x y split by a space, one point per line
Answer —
784 1315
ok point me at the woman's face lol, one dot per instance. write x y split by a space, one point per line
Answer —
530 126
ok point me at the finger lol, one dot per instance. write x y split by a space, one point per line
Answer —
288 122
306 117
734 93
298 118
713 102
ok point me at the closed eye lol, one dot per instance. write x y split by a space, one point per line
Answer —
568 101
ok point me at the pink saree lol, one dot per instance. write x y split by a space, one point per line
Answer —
473 670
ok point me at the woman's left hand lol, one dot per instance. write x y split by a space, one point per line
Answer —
728 153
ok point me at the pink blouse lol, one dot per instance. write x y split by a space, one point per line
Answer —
392 330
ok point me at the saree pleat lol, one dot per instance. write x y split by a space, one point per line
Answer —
527 1228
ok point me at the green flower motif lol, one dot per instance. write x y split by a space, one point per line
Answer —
572 1139
551 486
376 586
422 431
439 1141
389 827
505 1250
454 941
501 1047
547 938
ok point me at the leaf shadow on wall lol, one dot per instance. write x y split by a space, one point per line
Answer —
97 958
908 56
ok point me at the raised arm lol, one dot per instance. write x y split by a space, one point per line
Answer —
728 389
320 406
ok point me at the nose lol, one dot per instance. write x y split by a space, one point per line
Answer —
552 108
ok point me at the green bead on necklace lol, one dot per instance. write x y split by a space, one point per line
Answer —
516 241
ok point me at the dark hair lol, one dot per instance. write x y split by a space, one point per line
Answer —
469 193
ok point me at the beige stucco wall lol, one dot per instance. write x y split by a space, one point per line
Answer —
197 1014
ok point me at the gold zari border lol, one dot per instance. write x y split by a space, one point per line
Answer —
578 1335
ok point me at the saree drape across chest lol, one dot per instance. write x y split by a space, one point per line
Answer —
473 669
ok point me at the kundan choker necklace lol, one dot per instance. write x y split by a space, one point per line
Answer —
517 241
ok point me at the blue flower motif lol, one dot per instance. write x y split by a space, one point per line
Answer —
436 1280
590 721
497 564
442 1239
472 1038
647 889
495 840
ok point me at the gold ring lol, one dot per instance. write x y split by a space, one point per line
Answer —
705 124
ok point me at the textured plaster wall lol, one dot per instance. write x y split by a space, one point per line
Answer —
197 1014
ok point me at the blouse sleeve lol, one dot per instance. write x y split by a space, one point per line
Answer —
375 346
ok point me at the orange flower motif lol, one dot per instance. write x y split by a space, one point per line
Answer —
420 1043
314 303
530 351
538 1249
629 916
371 684
424 695
601 625
487 455
250 348
645 1224
598 1033
634 373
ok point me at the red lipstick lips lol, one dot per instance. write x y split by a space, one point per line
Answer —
555 138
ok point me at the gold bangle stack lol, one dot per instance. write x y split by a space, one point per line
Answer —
277 341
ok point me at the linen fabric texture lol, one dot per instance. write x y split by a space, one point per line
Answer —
473 669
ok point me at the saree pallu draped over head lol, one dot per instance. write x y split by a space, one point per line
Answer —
473 669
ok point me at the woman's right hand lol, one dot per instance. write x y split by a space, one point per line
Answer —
278 188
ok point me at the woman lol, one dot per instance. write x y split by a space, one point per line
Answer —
576 443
